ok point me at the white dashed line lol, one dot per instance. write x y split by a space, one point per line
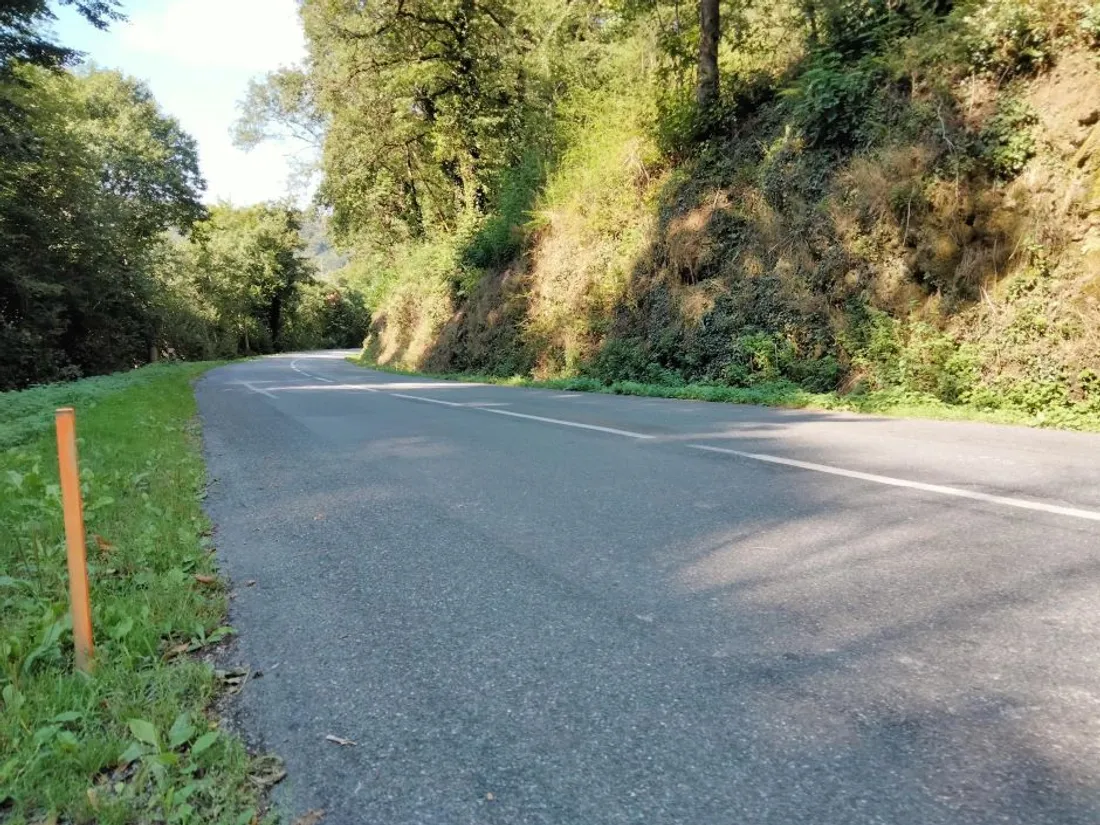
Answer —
294 366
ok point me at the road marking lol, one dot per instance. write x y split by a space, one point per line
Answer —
563 423
421 398
294 366
560 422
259 390
1006 501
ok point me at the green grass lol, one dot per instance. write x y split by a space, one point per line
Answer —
132 743
893 403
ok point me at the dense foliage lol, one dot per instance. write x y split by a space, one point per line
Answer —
110 258
855 196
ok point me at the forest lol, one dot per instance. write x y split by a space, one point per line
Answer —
110 258
889 200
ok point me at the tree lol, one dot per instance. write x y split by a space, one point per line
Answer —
424 101
95 174
707 85
281 104
250 261
22 38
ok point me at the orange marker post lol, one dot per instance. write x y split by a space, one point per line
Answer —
73 504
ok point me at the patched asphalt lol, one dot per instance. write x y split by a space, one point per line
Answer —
522 621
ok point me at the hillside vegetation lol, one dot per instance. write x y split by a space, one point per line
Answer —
886 198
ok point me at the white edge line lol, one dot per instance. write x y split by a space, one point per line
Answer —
1023 504
422 398
494 411
1006 501
559 421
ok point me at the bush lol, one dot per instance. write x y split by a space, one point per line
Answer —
829 99
499 238
1006 37
629 360
1007 142
327 316
1090 23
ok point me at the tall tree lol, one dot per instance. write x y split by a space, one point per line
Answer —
95 175
423 99
707 85
252 264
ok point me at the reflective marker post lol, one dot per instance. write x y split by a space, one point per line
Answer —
73 506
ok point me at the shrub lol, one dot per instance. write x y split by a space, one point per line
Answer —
1090 23
1007 142
628 360
1006 37
499 238
829 99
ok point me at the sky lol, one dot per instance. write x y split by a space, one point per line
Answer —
197 56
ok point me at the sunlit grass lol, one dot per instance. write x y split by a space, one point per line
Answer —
131 743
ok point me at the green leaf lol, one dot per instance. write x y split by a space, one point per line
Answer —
68 739
100 503
220 633
68 716
144 731
132 753
182 730
45 734
168 759
122 629
12 697
204 742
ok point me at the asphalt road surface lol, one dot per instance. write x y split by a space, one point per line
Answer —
527 606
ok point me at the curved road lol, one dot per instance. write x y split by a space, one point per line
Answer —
527 606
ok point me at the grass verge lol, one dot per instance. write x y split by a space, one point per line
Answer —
132 743
893 403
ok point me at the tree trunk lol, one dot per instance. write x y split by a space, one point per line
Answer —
275 320
707 90
809 8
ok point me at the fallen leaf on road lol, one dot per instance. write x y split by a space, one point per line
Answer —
250 583
203 578
310 817
489 797
339 740
233 679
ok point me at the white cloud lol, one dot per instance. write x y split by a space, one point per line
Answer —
238 34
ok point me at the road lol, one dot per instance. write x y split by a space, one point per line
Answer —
527 606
